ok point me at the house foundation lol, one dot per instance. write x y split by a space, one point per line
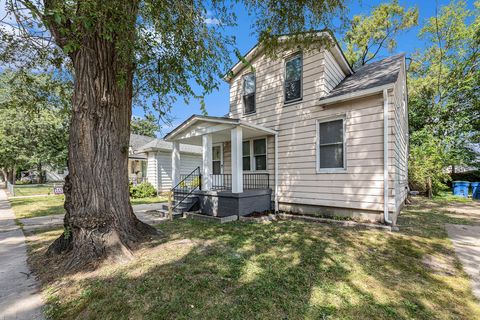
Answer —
227 203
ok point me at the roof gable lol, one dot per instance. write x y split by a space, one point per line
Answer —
258 49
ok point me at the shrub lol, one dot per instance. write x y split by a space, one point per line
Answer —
427 162
142 190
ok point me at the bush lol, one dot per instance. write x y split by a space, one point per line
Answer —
142 190
427 162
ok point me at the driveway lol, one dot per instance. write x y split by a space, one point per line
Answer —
466 240
141 210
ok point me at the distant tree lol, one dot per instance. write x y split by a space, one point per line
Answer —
369 34
147 126
162 49
427 161
34 113
444 82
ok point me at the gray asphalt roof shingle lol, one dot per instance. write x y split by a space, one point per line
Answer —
167 146
137 141
140 143
369 76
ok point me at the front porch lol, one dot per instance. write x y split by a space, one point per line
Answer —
236 176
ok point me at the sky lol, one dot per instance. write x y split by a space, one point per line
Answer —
217 102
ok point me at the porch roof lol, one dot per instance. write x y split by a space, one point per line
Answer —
192 129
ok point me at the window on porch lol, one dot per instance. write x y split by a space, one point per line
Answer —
255 155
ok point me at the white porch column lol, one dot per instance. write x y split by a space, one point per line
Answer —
175 163
237 164
207 162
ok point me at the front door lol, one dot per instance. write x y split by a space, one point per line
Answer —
217 168
217 159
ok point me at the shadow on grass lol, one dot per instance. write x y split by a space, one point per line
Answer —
278 270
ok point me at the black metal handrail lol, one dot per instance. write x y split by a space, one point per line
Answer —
256 181
251 181
186 186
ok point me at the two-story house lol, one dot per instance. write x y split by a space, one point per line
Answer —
305 133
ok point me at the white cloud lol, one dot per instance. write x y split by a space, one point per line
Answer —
213 21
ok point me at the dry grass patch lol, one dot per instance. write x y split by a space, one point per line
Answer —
278 270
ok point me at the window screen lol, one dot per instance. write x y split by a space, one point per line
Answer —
293 79
249 93
246 155
217 159
331 144
260 154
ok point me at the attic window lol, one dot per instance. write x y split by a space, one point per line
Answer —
293 79
249 93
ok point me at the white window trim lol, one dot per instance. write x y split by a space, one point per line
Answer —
254 94
317 144
252 156
286 60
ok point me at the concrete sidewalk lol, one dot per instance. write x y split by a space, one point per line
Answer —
466 241
141 210
19 294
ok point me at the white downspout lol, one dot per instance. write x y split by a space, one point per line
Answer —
385 158
276 173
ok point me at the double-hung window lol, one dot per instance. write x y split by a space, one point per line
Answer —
249 88
246 155
331 145
260 154
293 78
255 155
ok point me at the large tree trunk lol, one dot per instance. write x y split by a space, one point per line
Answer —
11 173
99 220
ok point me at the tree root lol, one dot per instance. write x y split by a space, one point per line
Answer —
84 249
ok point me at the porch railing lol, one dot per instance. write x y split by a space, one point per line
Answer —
251 181
188 183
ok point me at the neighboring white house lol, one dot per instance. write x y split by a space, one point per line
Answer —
150 159
328 139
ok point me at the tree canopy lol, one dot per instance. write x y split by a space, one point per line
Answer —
369 34
146 126
34 109
444 82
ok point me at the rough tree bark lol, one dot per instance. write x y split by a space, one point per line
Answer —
99 220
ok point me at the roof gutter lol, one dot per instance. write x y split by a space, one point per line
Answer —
386 217
355 95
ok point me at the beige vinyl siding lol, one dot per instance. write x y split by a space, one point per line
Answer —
269 80
333 72
400 151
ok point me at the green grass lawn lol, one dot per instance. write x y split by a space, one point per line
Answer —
33 189
37 206
447 196
48 205
277 270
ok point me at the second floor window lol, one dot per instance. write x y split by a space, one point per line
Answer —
249 93
293 79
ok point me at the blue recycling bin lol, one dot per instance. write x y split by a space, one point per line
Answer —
460 188
475 190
